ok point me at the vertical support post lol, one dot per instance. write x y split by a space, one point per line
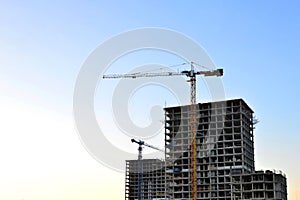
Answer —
231 184
165 167
140 168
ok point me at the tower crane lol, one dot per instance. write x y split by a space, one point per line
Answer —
141 143
191 74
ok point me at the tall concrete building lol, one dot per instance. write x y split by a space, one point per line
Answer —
225 152
225 156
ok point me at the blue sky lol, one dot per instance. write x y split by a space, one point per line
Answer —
44 44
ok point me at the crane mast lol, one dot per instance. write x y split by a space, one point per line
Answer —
193 113
193 126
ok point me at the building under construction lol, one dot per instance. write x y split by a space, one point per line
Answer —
153 179
259 185
224 161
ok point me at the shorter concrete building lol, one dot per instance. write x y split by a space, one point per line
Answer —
153 179
259 185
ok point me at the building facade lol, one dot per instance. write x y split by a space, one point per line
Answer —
225 147
153 179
259 185
225 158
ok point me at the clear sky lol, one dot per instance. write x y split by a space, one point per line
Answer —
43 45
